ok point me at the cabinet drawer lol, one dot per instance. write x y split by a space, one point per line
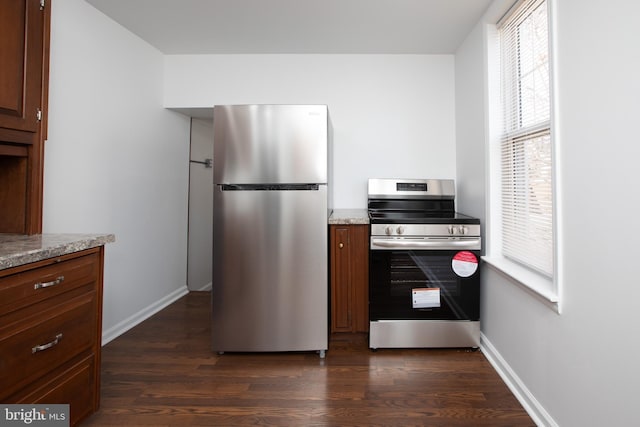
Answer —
29 287
74 386
50 340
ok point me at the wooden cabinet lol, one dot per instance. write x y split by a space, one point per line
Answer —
349 261
22 23
50 332
24 55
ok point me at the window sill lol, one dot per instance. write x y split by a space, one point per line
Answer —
542 287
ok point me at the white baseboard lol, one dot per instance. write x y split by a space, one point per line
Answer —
535 410
128 323
204 288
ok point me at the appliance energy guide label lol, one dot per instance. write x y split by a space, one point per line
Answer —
426 297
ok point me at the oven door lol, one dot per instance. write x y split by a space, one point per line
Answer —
424 284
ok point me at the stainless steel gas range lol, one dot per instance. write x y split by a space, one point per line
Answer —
424 276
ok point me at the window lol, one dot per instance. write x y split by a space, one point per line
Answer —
524 184
527 198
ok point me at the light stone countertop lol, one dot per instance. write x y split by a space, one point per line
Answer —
349 216
18 249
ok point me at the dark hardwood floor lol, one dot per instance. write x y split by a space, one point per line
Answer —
163 373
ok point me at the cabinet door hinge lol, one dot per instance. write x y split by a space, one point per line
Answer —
42 4
39 115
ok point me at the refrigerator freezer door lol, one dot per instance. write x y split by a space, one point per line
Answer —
270 275
257 144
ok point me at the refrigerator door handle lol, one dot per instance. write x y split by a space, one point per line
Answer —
270 187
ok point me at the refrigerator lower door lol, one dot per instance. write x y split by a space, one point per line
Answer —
270 276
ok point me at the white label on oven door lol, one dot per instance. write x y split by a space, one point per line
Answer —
426 297
464 263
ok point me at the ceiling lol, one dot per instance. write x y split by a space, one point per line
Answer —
298 26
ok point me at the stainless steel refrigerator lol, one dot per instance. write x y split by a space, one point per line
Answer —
271 205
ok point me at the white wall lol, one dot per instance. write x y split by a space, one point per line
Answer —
200 253
393 115
578 368
469 81
116 161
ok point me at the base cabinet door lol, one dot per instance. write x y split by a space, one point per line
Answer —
349 278
72 386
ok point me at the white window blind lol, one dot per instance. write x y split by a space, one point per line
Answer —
526 161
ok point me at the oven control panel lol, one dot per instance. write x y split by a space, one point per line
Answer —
458 229
425 229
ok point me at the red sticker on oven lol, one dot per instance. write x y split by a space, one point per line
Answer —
464 263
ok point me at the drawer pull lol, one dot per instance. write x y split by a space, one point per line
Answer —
40 285
47 345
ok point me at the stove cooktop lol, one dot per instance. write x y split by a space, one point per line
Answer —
416 217
414 201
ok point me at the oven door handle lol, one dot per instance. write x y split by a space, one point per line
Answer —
474 243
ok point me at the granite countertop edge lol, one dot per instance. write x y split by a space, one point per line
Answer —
349 216
18 249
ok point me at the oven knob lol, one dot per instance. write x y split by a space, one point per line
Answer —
388 230
451 229
462 229
400 229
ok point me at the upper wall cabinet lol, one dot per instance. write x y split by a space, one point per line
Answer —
22 25
24 70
